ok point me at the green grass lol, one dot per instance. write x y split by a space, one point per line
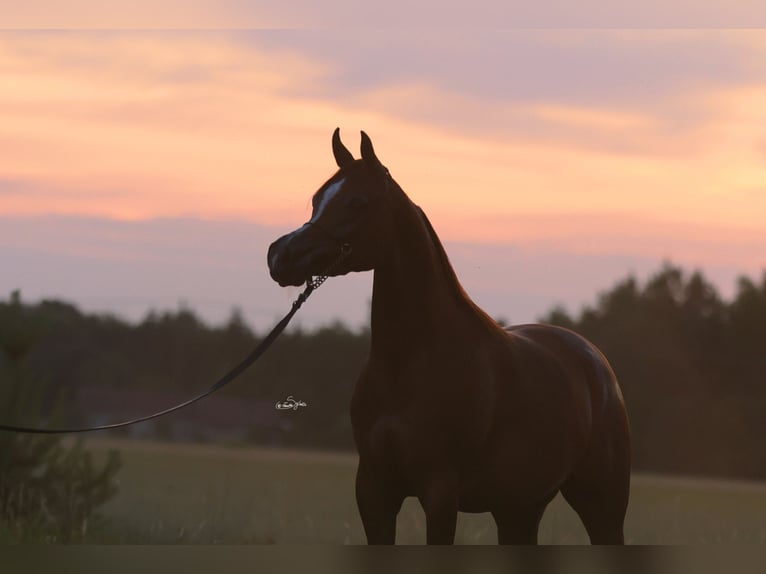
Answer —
216 495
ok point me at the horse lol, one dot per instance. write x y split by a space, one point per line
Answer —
450 407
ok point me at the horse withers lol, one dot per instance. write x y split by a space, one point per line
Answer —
450 407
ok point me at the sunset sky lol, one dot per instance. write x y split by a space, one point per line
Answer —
142 169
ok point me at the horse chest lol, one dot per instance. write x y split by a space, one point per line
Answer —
416 419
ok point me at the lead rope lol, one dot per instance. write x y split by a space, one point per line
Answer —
311 285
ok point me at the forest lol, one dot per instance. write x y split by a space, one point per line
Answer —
692 367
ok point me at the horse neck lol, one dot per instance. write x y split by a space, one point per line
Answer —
415 289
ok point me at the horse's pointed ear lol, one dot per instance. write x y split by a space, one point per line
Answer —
368 153
343 157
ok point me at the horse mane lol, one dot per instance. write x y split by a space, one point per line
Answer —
441 254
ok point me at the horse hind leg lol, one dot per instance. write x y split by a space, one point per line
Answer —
598 492
602 513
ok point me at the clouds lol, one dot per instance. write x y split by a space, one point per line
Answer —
176 115
636 92
593 66
612 146
336 14
170 116
589 68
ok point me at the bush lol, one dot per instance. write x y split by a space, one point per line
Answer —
49 490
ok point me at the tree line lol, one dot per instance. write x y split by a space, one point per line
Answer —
692 367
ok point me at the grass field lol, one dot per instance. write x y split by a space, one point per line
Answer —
197 494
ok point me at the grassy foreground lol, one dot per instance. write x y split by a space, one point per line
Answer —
218 495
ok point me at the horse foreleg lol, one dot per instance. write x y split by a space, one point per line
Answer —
378 503
440 502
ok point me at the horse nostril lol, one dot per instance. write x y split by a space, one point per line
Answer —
278 253
271 258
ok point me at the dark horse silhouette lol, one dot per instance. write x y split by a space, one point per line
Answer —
450 407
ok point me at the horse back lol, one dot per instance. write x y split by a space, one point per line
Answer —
570 360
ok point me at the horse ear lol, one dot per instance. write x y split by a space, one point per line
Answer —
368 154
343 157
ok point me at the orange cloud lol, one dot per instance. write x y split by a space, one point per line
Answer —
142 125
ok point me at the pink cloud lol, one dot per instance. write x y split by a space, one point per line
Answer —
198 14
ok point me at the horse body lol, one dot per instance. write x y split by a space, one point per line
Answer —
450 407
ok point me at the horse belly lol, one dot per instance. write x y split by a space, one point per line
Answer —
402 450
515 475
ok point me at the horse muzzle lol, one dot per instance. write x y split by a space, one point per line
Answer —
296 257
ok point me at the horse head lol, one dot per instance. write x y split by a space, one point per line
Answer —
341 235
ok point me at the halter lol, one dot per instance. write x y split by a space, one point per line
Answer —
345 247
317 280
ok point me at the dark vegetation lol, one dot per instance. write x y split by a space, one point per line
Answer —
49 491
692 367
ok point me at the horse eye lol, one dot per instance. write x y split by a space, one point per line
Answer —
357 201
